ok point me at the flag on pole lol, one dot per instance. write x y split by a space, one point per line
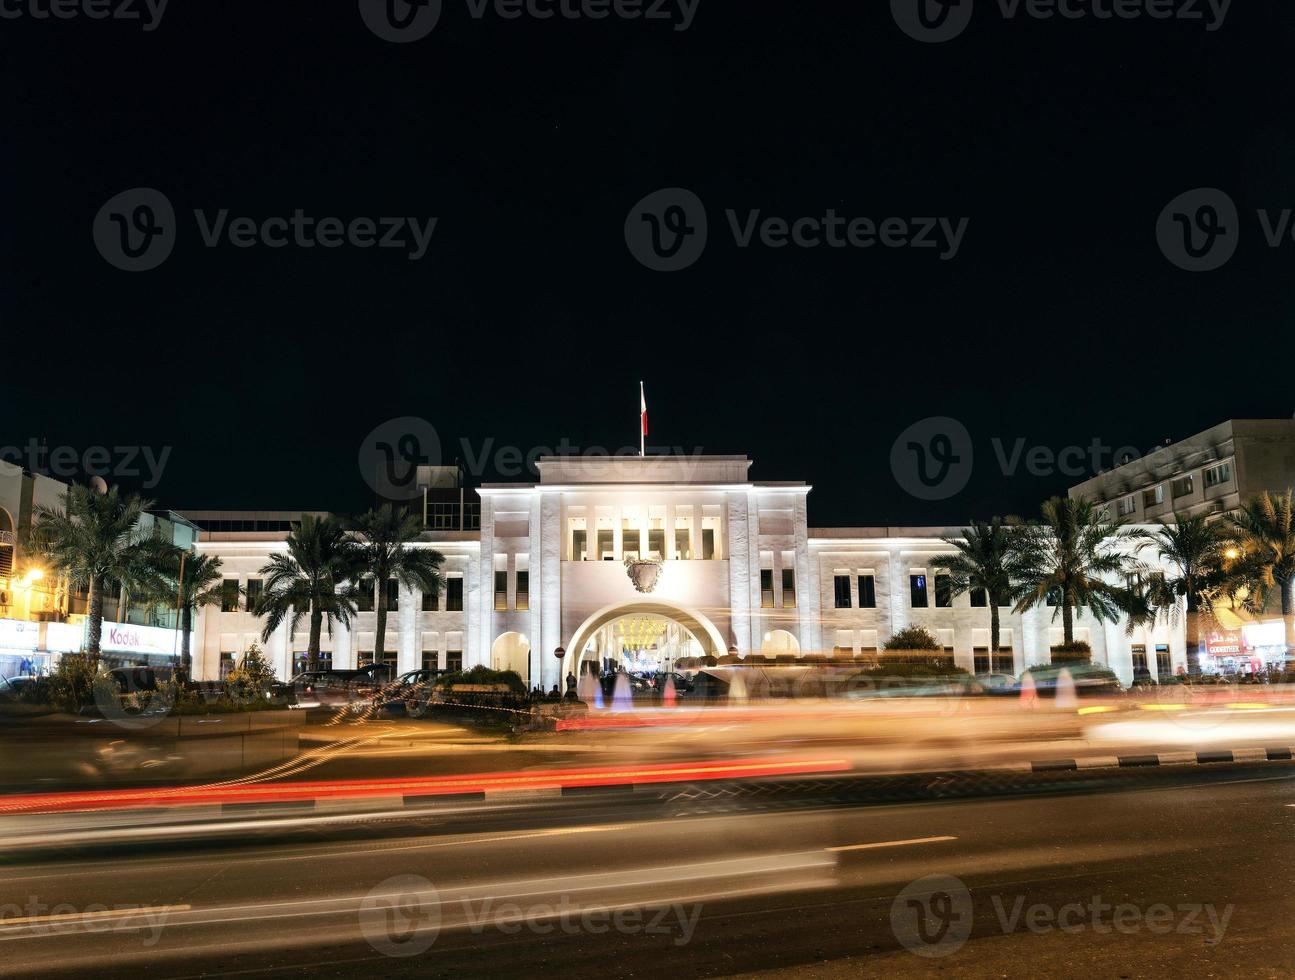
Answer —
642 420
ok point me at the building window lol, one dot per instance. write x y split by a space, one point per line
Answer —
630 540
226 663
454 594
656 542
1164 669
1154 496
501 590
1125 506
980 660
606 544
979 599
431 602
867 592
1216 476
454 660
841 584
1004 662
255 589
523 589
229 595
301 660
431 660
579 545
364 595
917 591
708 543
766 588
364 658
788 588
393 594
1140 671
943 592
1183 486
682 543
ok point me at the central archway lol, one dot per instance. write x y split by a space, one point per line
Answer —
511 651
652 621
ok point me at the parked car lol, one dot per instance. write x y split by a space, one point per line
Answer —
412 692
13 688
133 680
338 688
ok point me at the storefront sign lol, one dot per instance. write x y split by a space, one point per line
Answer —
119 638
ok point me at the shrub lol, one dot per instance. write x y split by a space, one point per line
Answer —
72 684
913 638
252 680
484 675
1071 653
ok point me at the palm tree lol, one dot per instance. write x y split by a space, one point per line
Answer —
986 558
1065 561
189 581
1196 548
309 578
92 540
1265 533
385 555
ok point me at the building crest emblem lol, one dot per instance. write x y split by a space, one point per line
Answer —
645 573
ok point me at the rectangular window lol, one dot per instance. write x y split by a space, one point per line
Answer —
867 592
980 660
766 588
255 589
630 540
1216 476
979 599
389 658
431 602
301 660
1004 662
1164 670
431 660
917 591
393 594
364 595
943 592
226 663
579 545
454 660
1154 496
683 544
606 544
656 542
1140 671
1125 506
454 595
1183 486
229 595
707 543
841 584
523 589
364 658
501 590
1053 597
788 588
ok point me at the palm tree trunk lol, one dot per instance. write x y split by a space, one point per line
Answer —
1193 635
316 631
993 630
380 624
186 626
94 620
1067 618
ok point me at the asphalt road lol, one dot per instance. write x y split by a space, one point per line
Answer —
1173 879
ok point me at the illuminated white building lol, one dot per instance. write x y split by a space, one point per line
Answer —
649 559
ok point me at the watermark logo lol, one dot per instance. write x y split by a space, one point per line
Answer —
932 459
36 918
666 231
68 462
400 21
932 21
147 12
1198 231
401 916
391 454
135 230
933 916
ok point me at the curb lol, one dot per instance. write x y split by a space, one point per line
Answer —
1214 757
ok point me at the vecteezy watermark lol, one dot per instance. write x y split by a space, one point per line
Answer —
137 229
68 462
935 21
403 916
36 918
146 12
402 21
392 452
667 231
1200 229
934 917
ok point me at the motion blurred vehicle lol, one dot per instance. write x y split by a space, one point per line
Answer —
411 692
338 688
1091 680
13 688
955 686
1001 685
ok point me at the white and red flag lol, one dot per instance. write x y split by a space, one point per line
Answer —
642 419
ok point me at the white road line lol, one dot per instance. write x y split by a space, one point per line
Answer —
122 913
893 843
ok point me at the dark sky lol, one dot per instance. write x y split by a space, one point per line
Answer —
1059 321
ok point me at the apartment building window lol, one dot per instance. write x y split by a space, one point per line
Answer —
1154 496
501 590
523 589
1125 506
1216 476
788 588
431 601
255 589
867 592
454 595
364 595
766 588
229 595
943 592
979 599
454 660
917 591
393 594
1164 670
841 585
1183 486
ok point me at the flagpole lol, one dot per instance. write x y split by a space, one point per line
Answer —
642 434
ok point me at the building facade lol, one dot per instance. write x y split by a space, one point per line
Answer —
647 560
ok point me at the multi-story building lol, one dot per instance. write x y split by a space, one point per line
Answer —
1211 472
650 559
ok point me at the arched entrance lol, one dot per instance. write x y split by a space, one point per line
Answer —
647 636
780 641
511 651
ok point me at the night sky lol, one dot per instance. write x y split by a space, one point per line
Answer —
529 321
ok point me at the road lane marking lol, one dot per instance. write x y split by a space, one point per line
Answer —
891 843
125 913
